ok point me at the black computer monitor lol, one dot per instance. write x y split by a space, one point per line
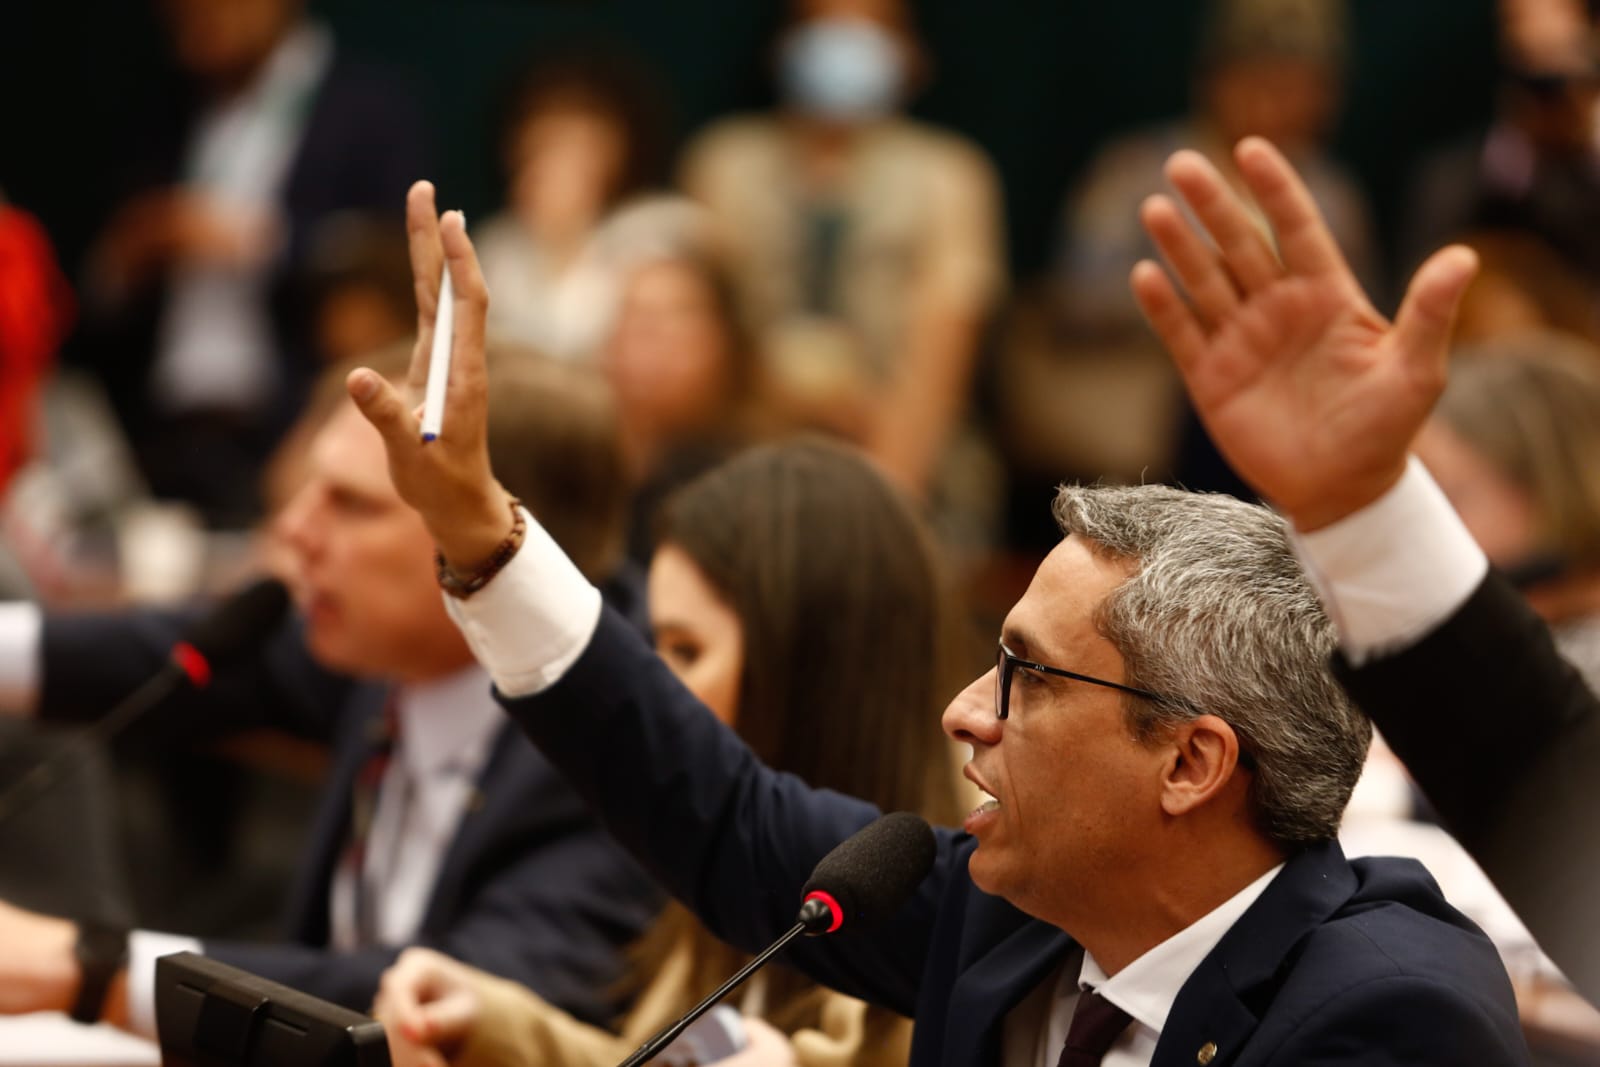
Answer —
211 1015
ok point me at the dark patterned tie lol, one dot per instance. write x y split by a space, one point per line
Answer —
383 733
1096 1025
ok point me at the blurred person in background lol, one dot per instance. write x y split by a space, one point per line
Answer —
194 320
1270 68
795 593
358 283
437 824
686 376
1536 169
1514 442
866 245
581 146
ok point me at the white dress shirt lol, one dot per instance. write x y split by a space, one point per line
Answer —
446 729
532 622
1394 570
1145 989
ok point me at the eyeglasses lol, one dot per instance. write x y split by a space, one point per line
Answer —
1007 662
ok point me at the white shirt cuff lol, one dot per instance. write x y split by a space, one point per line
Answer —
530 624
1396 569
21 630
144 947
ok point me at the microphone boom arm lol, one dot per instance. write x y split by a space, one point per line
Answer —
650 1048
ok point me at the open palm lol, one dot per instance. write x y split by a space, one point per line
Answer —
1311 394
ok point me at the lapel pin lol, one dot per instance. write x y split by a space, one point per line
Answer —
1207 1053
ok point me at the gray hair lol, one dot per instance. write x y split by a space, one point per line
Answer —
1219 615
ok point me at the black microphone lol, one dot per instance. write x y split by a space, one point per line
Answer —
864 880
230 629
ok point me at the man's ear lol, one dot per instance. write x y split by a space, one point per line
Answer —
1204 756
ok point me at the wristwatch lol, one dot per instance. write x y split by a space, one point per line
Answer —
101 951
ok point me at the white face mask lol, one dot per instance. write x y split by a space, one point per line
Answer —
842 69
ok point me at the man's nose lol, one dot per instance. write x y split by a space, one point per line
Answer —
971 716
295 526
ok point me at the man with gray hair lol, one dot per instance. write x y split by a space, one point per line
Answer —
1152 878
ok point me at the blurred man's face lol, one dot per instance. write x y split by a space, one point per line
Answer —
361 563
225 40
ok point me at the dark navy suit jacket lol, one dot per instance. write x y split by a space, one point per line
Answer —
1336 962
530 888
1504 738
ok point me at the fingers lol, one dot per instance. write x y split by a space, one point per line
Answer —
468 375
449 1019
384 407
1245 251
402 990
1422 328
1304 242
1168 315
1211 289
427 261
427 998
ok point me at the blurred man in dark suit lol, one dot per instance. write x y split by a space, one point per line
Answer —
439 825
196 316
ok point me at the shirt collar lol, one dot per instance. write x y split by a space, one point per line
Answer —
448 723
1146 988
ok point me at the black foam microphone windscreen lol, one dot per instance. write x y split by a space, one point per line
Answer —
239 622
872 873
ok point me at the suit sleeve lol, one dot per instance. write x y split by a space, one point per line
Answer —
1503 736
732 839
90 662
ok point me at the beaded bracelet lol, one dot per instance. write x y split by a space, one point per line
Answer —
462 587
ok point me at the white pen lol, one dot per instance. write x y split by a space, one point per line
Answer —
439 360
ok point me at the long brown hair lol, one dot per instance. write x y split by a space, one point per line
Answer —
847 635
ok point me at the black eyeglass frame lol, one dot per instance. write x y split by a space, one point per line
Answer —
1006 663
